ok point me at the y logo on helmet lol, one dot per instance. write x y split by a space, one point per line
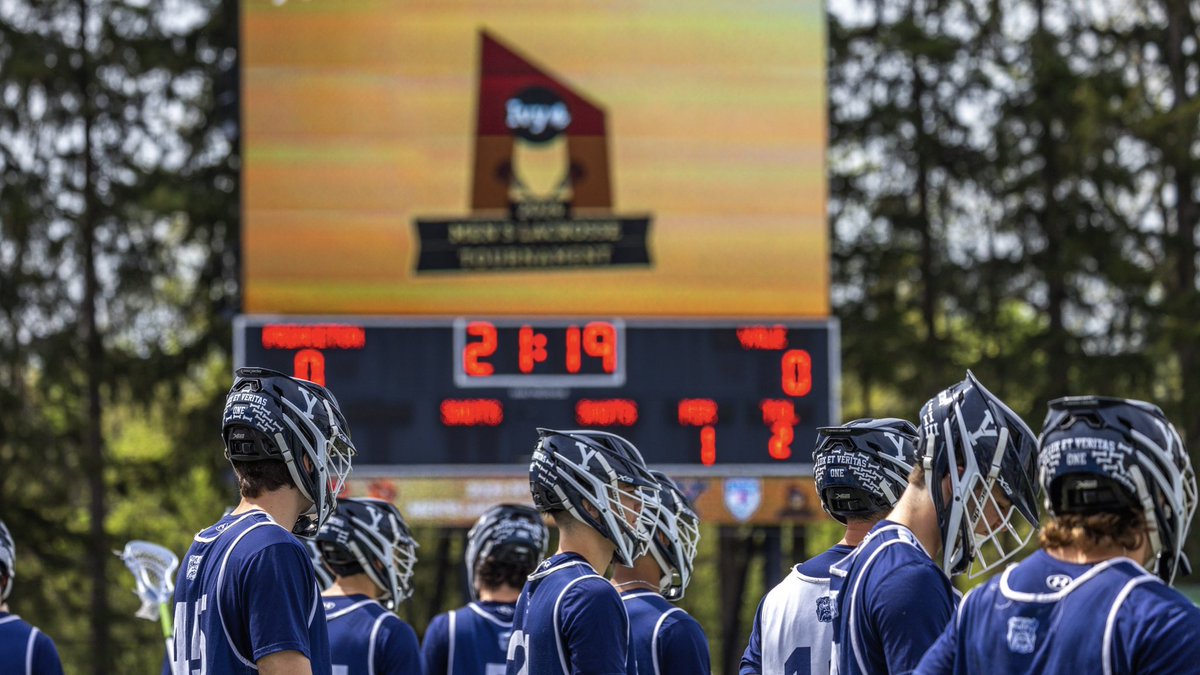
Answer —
897 441
376 518
986 428
585 454
309 400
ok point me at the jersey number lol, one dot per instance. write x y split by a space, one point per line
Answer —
190 642
519 641
799 662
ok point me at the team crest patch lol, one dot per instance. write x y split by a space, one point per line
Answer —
1022 634
743 497
193 567
825 610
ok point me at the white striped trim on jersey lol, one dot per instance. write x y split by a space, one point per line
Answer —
374 627
562 657
225 562
836 568
474 607
453 630
33 633
657 626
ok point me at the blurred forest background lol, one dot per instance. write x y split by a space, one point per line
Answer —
1013 188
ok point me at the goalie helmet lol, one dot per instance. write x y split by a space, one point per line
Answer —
676 537
8 560
509 533
990 457
271 416
861 468
574 469
370 536
1102 454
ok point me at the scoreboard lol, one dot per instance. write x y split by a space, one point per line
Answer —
718 397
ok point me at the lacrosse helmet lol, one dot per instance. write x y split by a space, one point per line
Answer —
676 537
1101 454
370 536
861 468
971 436
324 576
8 559
574 469
271 416
508 533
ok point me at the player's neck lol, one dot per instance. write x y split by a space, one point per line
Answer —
916 511
505 593
355 584
643 576
284 506
856 531
1090 555
586 542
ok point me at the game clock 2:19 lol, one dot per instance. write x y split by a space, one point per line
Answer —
472 390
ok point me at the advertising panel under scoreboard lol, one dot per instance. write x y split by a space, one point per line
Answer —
723 397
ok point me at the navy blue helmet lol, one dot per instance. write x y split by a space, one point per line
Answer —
573 468
676 538
862 467
8 560
992 511
510 533
370 536
271 416
324 575
1101 454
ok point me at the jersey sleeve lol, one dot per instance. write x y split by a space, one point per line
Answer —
396 649
279 591
594 628
910 607
435 648
939 660
682 647
45 656
1160 637
752 657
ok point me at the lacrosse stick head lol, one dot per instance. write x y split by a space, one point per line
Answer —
153 569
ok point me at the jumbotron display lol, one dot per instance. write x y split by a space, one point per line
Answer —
473 390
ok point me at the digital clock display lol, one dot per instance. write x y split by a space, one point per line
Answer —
437 393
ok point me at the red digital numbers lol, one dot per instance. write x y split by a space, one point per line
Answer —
701 412
563 350
796 378
485 347
309 364
780 416
769 338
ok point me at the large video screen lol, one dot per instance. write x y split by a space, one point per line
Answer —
628 158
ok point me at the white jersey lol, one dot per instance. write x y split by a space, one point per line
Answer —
793 629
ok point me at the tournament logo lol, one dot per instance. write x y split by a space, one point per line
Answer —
1057 582
541 189
1022 634
743 496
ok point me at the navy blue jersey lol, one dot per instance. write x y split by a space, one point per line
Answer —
892 603
797 619
246 589
366 639
1049 616
471 640
665 639
569 621
25 649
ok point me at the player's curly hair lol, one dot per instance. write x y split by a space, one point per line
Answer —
256 478
1125 529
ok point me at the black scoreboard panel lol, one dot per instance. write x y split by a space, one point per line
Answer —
472 390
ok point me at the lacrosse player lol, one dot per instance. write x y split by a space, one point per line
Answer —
23 648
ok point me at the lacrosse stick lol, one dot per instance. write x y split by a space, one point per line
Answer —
153 568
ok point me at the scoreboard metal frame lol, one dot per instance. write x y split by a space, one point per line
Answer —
462 396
